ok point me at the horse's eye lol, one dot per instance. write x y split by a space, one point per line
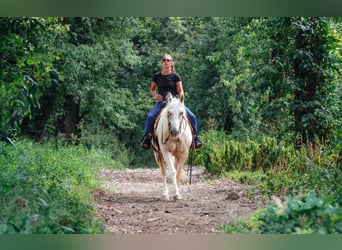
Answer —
169 113
181 113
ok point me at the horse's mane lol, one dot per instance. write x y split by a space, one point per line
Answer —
173 99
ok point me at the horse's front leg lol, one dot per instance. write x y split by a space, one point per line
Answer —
166 190
169 160
179 163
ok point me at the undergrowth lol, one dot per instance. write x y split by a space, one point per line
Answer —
309 180
46 188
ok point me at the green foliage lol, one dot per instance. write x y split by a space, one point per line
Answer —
104 66
274 166
308 214
105 141
47 188
263 94
222 153
280 170
243 225
314 64
26 46
303 214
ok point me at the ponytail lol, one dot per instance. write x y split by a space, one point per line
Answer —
173 67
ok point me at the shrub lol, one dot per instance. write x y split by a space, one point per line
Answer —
307 214
277 165
46 188
222 153
243 225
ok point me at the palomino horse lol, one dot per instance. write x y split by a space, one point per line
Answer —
171 142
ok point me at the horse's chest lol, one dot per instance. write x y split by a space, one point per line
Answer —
175 147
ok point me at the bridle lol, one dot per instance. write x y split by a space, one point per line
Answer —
183 120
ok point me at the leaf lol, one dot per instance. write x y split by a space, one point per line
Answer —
32 81
338 227
43 202
17 229
30 61
312 202
10 141
20 102
68 229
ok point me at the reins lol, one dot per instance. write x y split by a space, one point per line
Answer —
190 166
180 126
162 137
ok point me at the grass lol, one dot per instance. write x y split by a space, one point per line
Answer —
276 168
46 188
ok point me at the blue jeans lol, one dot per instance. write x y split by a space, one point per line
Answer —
155 111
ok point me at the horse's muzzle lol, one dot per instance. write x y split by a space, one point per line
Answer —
174 132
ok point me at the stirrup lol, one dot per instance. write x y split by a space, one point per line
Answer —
196 143
146 142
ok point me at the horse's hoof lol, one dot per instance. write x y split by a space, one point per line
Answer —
166 197
177 197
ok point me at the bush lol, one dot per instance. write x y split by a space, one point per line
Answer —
222 153
308 214
272 165
243 225
46 188
304 214
105 140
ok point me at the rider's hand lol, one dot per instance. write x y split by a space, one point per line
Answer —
158 97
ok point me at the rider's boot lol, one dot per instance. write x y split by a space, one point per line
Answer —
197 143
146 141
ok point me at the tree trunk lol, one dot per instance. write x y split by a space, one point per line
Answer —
36 126
71 119
229 124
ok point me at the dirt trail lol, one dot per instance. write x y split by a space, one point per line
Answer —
131 202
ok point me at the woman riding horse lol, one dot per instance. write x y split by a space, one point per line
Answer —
166 81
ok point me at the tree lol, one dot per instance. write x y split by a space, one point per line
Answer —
313 65
26 61
87 77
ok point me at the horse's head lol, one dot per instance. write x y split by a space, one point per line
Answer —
176 114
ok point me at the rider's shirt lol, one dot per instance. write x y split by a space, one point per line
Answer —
166 83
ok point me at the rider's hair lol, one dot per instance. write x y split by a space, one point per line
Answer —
173 69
